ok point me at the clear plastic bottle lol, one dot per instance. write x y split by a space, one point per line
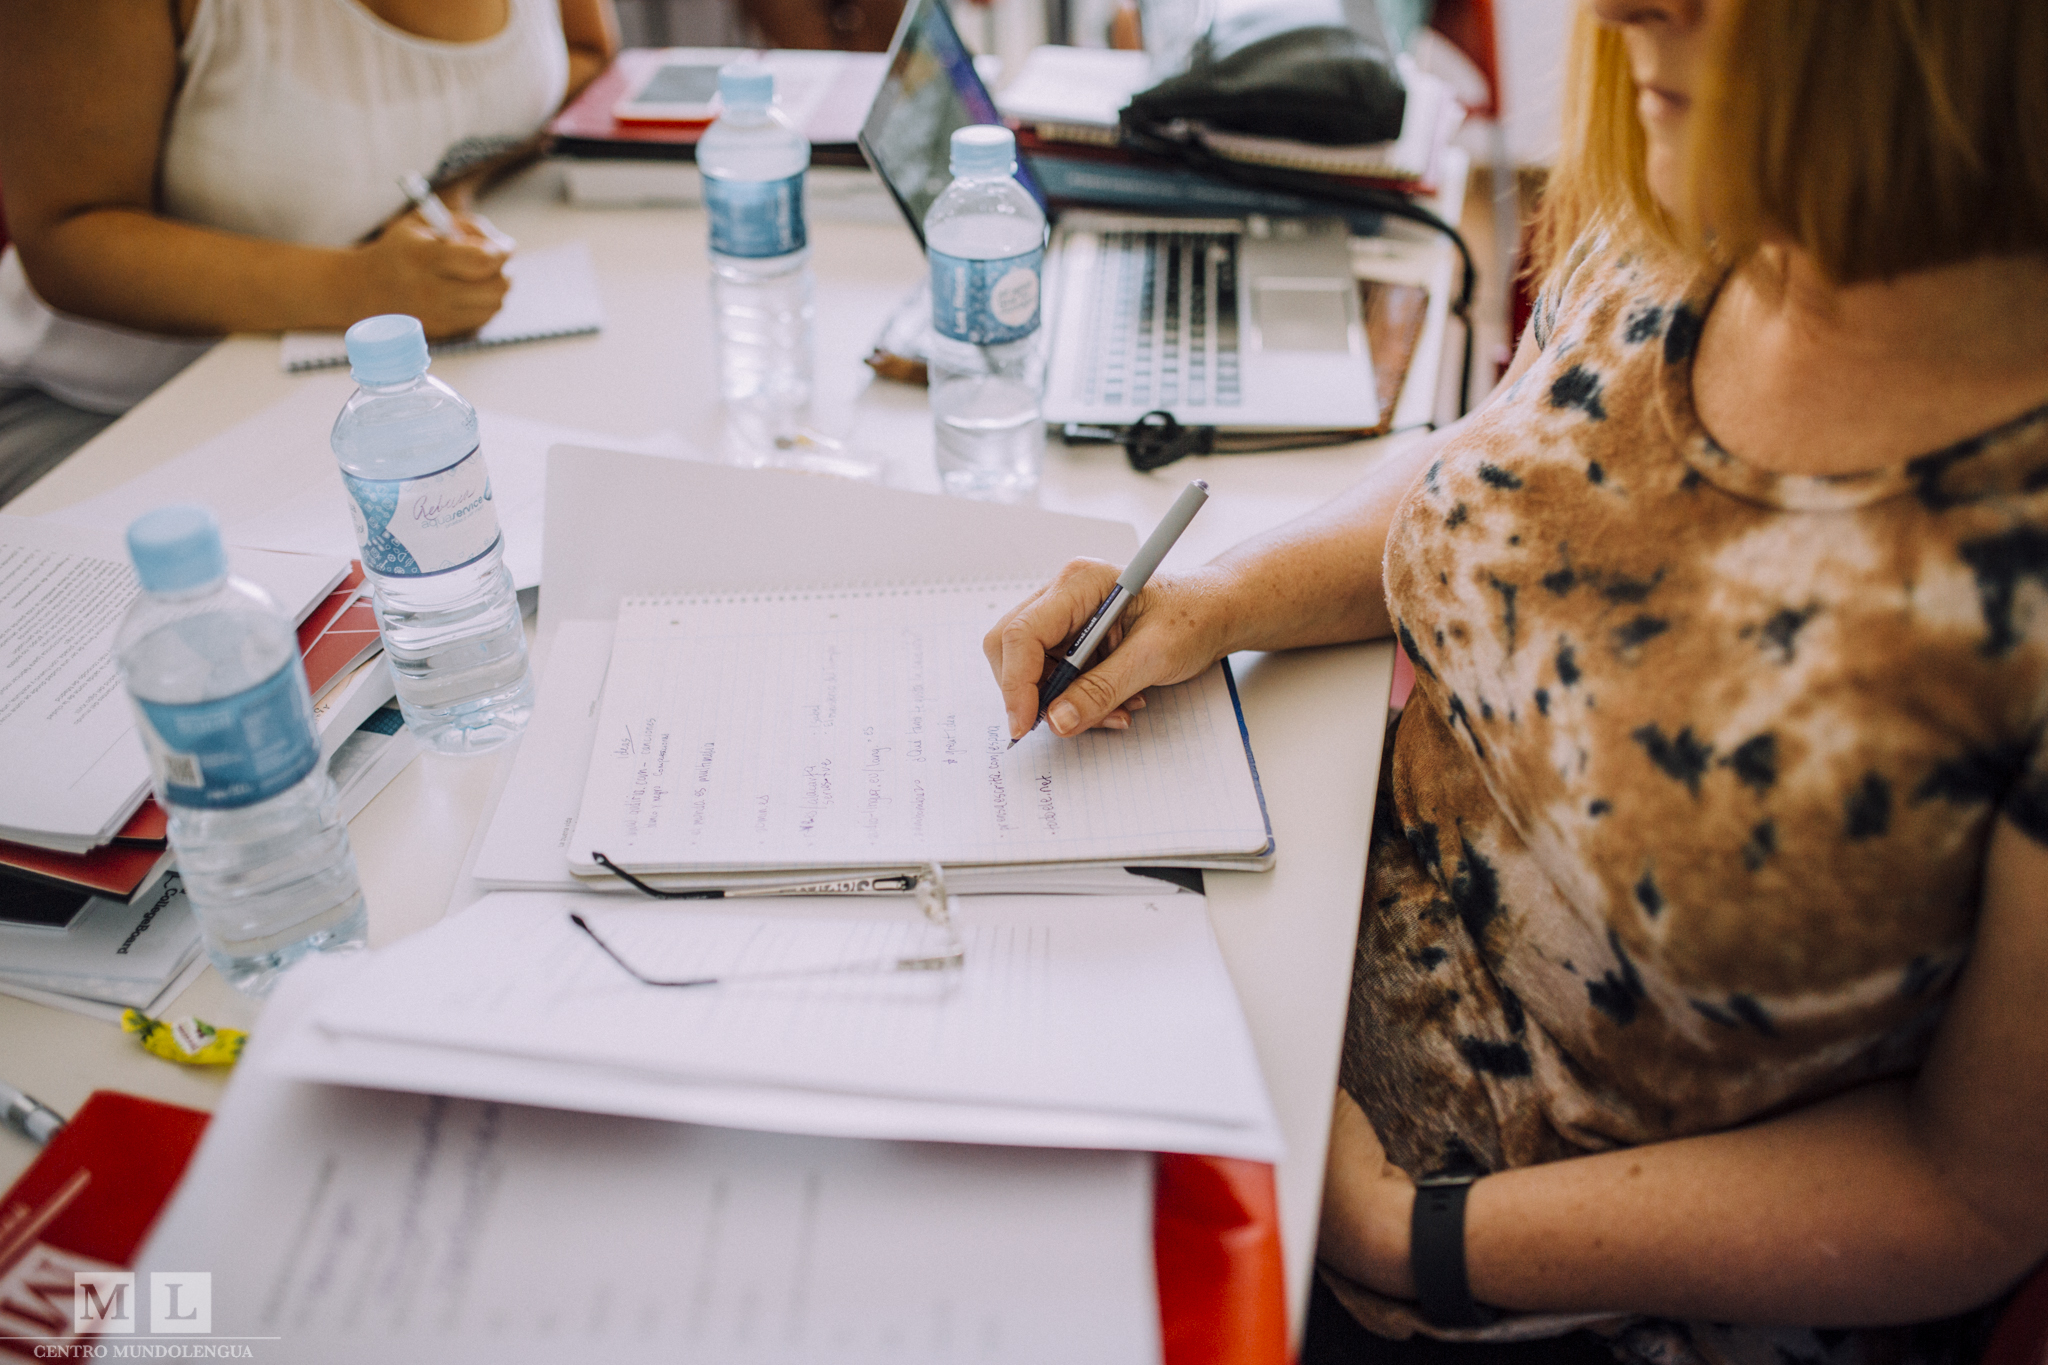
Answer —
985 240
213 669
753 163
421 499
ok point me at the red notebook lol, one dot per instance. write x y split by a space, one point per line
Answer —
85 1206
338 634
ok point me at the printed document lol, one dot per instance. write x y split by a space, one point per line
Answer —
76 769
345 1225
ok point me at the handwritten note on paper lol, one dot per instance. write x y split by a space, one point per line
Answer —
860 728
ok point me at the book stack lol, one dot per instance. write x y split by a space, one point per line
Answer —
1065 103
92 914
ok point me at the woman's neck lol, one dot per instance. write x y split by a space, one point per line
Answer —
1800 375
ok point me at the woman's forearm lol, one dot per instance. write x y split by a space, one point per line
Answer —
1836 1214
1318 579
132 268
135 269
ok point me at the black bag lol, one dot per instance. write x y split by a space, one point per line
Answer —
1326 84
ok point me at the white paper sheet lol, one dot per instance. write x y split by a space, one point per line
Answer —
103 1010
346 1225
553 294
75 767
276 485
750 529
1077 1021
861 729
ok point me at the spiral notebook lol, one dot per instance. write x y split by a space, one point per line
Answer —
857 728
554 294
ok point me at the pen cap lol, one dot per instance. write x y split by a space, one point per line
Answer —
1163 536
175 548
984 149
387 349
746 85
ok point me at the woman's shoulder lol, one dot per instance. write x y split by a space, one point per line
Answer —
1606 261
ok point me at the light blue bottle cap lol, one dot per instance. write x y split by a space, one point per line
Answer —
984 149
175 548
746 85
387 349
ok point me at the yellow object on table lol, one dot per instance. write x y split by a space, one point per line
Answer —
194 1042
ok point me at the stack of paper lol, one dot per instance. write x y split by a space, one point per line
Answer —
97 955
347 1225
369 758
76 768
113 954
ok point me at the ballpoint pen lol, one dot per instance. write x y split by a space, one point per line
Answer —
854 884
1129 584
28 1116
430 206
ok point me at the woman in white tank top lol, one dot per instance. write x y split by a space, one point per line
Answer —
178 171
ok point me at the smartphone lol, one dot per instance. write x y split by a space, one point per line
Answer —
674 92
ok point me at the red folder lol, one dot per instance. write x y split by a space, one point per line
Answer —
85 1205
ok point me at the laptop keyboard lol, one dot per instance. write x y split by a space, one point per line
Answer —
1163 324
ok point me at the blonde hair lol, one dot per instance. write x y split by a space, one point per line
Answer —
1881 136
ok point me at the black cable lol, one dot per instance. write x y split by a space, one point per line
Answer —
1199 157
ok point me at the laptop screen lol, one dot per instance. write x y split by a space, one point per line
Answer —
931 88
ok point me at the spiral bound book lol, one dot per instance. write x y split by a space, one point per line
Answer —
859 728
553 294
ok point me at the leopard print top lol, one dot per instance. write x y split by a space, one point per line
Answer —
1685 821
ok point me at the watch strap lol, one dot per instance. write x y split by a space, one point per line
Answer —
1436 1253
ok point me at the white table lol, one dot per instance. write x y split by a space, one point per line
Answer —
1316 716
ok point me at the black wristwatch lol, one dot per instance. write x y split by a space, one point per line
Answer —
1436 1253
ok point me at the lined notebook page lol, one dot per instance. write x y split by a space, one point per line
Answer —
861 728
553 294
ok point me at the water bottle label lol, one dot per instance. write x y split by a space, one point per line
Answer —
218 755
986 302
756 218
410 528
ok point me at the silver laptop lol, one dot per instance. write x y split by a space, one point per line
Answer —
1245 323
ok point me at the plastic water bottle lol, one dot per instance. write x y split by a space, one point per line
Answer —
985 238
213 668
421 499
753 163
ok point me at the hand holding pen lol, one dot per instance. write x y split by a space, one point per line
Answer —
444 268
442 219
1089 608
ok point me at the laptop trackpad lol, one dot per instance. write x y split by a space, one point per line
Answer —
1302 315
